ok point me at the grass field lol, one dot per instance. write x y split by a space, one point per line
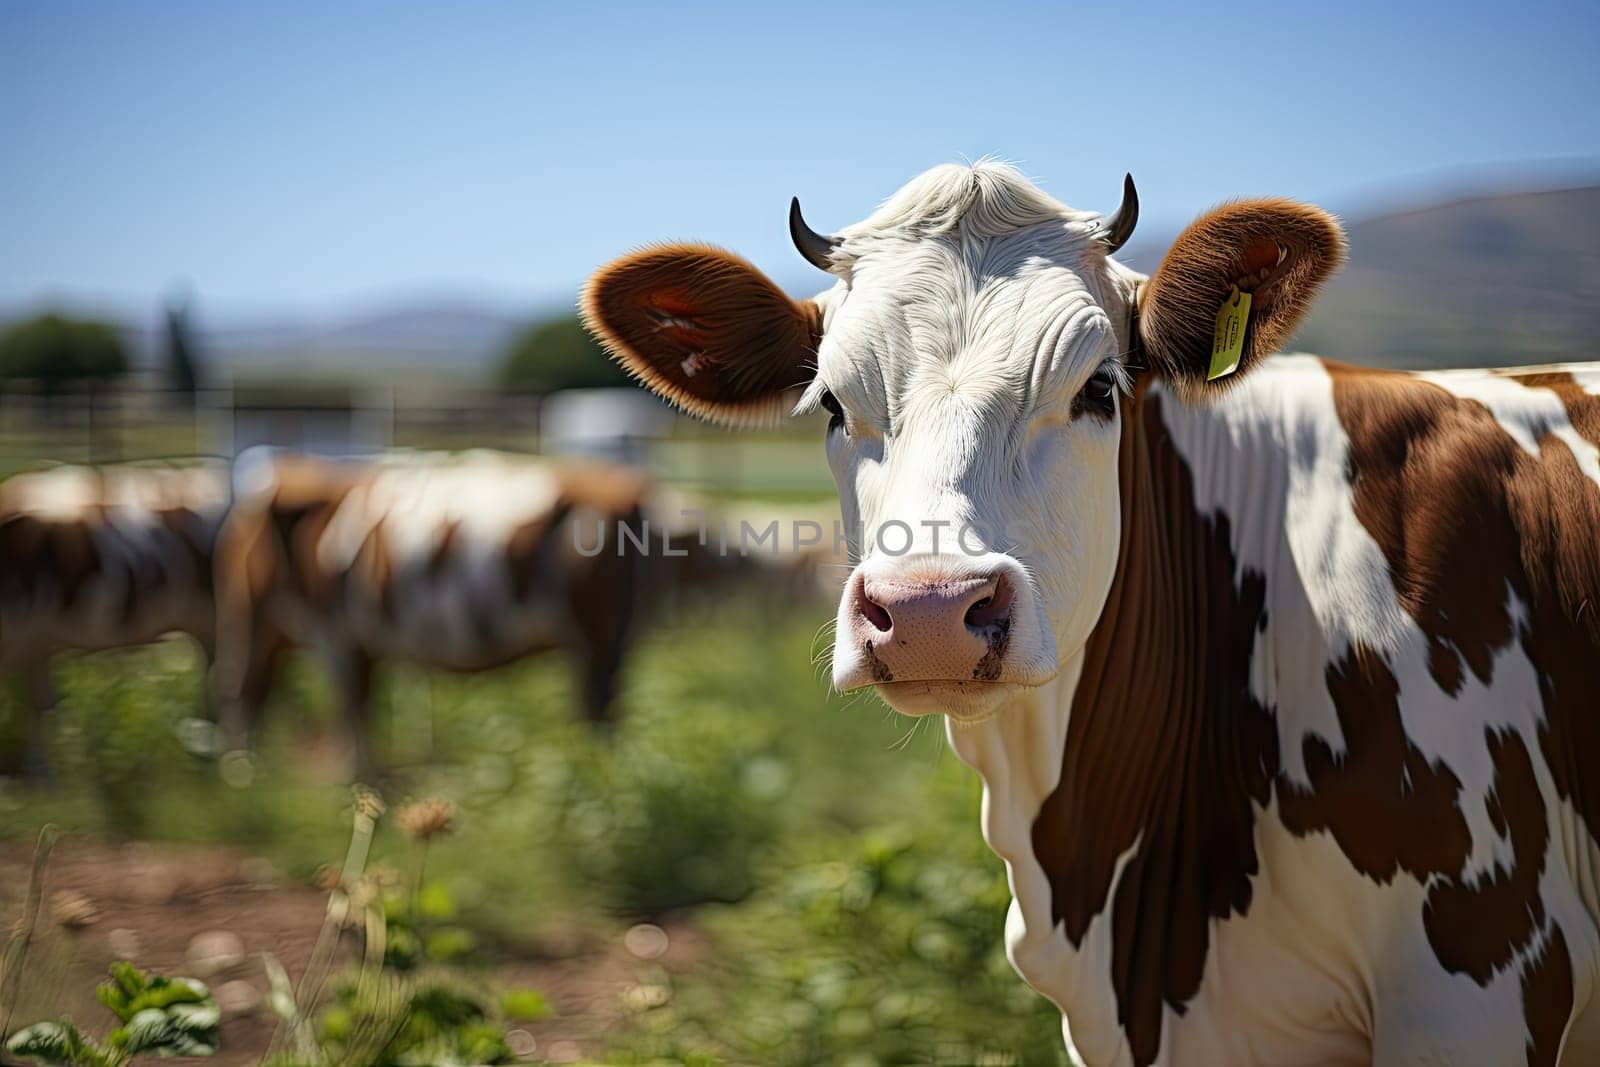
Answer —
825 866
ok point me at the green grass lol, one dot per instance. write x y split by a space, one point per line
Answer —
855 915
33 446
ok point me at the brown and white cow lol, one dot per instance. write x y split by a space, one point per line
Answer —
1284 687
102 557
457 562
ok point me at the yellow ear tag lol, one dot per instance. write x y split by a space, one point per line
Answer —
1227 340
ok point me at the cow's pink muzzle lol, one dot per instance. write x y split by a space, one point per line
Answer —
908 628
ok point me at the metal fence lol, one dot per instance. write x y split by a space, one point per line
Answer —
133 422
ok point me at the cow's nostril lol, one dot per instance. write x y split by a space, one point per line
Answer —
876 614
992 609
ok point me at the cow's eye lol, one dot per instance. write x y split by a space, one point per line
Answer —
830 404
1098 395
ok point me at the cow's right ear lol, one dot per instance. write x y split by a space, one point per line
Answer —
1278 251
706 330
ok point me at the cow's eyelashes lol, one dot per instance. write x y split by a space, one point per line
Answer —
1098 395
830 404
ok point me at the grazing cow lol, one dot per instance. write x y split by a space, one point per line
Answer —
102 557
462 563
1284 684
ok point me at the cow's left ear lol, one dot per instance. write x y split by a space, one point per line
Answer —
1278 251
704 329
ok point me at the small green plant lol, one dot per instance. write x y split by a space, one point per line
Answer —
402 1021
158 1015
418 918
401 1005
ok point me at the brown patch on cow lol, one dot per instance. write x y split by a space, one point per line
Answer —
301 515
46 558
1477 929
246 552
24 543
1547 999
21 534
186 525
603 596
21 538
74 559
528 555
1389 808
1165 745
1540 378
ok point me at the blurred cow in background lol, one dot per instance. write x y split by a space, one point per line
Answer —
456 562
95 558
462 563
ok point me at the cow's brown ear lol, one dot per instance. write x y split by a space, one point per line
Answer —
706 330
1278 251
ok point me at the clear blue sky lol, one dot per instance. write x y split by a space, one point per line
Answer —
320 155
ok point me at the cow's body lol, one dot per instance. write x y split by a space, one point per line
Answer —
97 558
1282 676
460 563
1315 791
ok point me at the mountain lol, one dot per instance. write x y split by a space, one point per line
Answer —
1489 281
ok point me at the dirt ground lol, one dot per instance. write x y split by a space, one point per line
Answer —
213 914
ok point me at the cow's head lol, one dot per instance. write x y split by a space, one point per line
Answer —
976 356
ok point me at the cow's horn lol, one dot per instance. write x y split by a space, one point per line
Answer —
817 249
1116 228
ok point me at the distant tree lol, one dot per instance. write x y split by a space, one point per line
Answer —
59 353
558 354
182 365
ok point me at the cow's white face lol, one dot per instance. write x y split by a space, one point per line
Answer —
974 358
973 381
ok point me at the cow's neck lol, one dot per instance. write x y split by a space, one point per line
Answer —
1120 794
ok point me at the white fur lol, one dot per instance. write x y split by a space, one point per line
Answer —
971 310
